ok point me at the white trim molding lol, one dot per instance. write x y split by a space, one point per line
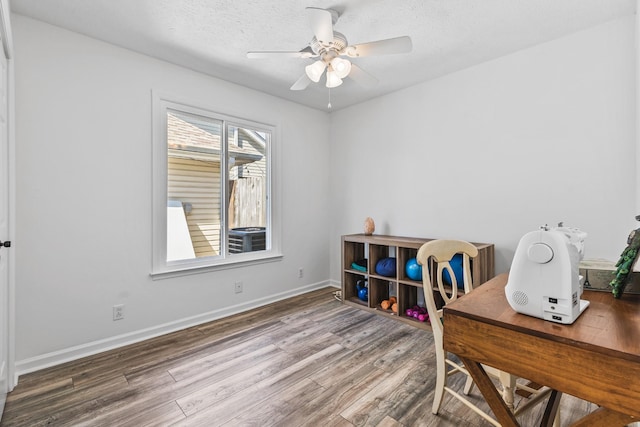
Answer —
74 353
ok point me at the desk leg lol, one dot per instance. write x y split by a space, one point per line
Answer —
551 410
490 393
604 417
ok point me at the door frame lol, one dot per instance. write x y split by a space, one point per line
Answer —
7 50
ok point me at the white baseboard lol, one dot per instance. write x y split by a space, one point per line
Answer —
73 353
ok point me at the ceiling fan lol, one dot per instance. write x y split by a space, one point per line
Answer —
330 47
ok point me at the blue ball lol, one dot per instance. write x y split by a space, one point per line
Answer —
456 265
413 269
386 267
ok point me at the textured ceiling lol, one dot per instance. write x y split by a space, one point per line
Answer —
213 36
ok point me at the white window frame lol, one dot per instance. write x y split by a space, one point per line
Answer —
161 268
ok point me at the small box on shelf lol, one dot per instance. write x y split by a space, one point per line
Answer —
599 273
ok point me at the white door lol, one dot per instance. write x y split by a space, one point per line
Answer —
5 250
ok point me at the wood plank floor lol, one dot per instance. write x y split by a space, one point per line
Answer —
306 361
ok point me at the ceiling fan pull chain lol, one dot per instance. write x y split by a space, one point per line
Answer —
329 105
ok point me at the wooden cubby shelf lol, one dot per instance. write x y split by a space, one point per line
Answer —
408 292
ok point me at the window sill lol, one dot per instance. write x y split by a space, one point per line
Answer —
185 270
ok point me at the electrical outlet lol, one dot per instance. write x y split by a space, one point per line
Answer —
300 273
118 312
238 287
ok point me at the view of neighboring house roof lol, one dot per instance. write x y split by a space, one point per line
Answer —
194 138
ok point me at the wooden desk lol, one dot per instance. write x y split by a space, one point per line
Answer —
597 358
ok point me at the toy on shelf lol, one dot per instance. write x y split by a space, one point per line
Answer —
363 291
369 226
360 265
418 313
413 269
386 267
388 303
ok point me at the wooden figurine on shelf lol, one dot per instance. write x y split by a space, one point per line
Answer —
626 262
369 226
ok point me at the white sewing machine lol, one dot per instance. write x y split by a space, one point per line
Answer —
544 280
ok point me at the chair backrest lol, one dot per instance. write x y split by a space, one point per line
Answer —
442 252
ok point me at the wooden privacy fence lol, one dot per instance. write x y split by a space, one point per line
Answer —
247 202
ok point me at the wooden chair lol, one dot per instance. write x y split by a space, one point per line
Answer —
437 255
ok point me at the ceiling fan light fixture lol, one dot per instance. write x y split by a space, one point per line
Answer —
333 80
315 70
342 67
332 53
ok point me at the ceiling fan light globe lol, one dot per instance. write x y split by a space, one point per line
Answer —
315 70
342 67
333 80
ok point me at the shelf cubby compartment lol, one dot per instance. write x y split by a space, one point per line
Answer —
404 255
349 289
407 298
353 252
414 296
378 291
376 253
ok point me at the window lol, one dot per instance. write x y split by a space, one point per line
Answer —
212 190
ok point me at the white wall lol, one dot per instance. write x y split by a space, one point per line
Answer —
491 152
83 235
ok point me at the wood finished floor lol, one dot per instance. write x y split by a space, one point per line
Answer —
306 361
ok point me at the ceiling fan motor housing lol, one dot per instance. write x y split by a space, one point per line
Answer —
339 42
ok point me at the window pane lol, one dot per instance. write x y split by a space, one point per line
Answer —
247 160
194 226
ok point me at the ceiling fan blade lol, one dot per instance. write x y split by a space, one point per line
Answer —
301 83
362 77
321 21
304 53
380 47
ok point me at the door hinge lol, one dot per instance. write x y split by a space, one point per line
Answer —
6 244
